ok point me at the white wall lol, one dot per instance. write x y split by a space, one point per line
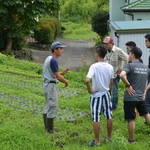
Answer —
142 15
138 15
139 39
115 13
132 1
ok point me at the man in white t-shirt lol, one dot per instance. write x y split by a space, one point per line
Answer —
102 75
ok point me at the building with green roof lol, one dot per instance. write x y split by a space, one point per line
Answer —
138 10
130 21
125 10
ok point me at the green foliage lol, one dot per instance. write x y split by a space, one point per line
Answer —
18 17
2 40
48 29
9 64
74 30
76 11
18 43
99 22
20 129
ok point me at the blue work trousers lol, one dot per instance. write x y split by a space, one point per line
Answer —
114 92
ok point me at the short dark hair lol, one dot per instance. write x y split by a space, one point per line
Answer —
137 52
131 43
147 36
52 50
101 51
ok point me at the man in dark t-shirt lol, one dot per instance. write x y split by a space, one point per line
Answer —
134 76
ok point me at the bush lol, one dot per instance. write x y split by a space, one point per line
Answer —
18 43
48 29
99 22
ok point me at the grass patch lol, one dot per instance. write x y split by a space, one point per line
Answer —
21 129
78 31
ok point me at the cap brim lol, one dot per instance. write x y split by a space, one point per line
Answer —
63 46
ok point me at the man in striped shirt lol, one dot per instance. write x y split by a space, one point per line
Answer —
102 75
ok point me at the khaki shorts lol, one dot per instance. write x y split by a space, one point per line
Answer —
51 96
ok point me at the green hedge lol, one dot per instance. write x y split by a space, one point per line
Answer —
48 29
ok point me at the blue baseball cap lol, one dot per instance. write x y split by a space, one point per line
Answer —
57 45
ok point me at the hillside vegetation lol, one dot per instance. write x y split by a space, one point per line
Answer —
22 104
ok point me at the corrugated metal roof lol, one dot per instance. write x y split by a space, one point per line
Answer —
138 6
130 25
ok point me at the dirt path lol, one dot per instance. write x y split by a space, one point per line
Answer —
72 54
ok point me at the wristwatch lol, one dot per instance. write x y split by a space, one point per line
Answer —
127 86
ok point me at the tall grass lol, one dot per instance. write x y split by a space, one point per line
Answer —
79 31
21 129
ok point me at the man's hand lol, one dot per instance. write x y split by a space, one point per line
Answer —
66 71
66 84
91 91
130 90
118 71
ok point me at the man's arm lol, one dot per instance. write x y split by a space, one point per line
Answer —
90 90
110 85
124 57
65 71
127 84
147 88
61 78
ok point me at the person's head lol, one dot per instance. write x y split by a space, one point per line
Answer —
57 48
135 53
100 52
108 43
130 45
147 40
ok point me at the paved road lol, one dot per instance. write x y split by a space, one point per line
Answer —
72 54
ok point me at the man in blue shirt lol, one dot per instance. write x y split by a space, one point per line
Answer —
51 75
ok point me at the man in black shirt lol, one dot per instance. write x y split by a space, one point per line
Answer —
134 76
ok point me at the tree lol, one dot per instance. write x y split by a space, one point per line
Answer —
19 17
99 23
77 10
81 10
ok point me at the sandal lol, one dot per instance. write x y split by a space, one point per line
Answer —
106 139
130 141
93 143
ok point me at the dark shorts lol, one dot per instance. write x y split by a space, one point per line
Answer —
129 109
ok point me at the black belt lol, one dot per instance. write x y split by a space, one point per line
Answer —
53 82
